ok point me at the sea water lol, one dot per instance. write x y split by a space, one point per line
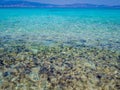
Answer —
59 49
90 27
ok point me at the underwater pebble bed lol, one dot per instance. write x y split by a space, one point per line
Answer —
59 49
58 67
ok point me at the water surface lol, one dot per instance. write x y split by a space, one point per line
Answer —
59 49
90 27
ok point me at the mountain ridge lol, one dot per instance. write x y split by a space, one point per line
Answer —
7 3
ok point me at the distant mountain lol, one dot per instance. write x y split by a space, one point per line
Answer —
19 3
83 6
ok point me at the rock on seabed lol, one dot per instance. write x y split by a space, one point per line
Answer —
59 68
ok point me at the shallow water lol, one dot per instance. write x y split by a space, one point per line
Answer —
90 27
59 49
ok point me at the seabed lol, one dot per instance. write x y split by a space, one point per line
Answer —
58 67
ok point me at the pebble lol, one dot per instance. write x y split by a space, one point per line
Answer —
59 68
35 51
1 50
90 65
1 63
5 74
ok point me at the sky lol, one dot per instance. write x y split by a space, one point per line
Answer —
99 2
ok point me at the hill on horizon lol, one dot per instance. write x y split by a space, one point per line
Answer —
7 3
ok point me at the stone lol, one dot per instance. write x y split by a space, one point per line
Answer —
5 74
1 50
90 65
35 51
1 63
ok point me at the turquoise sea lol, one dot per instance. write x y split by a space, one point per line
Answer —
91 27
59 49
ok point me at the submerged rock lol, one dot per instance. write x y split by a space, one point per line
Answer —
5 74
59 68
90 65
1 50
35 51
1 63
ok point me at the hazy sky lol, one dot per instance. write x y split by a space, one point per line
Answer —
106 2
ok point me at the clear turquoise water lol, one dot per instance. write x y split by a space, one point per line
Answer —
77 27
